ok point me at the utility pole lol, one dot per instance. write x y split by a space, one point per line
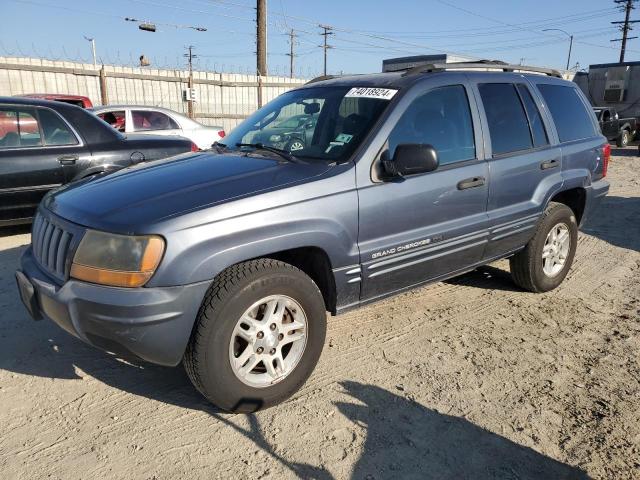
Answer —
327 31
570 41
292 37
261 37
190 56
93 49
625 25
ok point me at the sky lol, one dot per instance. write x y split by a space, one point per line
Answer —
364 32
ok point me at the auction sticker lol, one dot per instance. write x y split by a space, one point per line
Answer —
371 92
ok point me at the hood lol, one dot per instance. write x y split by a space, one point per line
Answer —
132 198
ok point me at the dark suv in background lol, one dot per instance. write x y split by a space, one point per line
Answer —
228 261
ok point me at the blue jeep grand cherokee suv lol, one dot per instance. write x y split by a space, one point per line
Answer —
228 260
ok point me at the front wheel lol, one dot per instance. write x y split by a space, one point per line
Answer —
258 336
294 145
545 261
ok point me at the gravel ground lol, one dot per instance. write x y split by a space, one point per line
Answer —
471 378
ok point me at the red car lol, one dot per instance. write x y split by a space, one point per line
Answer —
78 100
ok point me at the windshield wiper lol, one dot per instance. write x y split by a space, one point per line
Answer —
278 151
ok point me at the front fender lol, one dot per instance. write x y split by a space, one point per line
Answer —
200 252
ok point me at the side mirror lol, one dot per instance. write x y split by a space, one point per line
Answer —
411 159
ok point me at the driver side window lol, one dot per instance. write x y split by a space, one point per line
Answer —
442 119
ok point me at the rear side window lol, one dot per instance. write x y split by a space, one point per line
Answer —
441 118
19 128
569 112
116 119
538 131
507 119
55 131
150 120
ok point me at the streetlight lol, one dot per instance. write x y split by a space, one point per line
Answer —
570 41
93 48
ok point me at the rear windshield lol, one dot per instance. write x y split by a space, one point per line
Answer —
572 118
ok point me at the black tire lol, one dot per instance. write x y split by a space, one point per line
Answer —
623 139
526 265
206 359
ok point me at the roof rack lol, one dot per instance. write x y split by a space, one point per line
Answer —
479 65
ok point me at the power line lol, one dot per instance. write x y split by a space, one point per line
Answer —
514 25
492 32
543 22
104 14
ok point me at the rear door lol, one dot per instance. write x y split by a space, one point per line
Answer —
524 160
425 226
576 129
157 123
28 169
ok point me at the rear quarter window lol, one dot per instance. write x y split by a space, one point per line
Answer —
572 119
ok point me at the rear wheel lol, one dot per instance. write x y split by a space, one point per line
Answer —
623 139
258 336
545 261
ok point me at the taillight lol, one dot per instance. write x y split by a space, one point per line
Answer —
221 134
194 147
606 156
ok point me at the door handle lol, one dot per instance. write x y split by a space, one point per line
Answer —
549 164
470 183
68 159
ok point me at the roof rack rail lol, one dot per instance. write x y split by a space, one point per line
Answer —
321 78
479 65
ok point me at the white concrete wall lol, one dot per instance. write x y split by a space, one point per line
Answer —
223 99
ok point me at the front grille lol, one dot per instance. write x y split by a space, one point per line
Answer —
51 244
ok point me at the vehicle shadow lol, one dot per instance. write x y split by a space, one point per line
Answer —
487 277
403 438
15 230
616 221
630 151
407 440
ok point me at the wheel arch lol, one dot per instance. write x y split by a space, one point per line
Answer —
574 198
316 264
95 170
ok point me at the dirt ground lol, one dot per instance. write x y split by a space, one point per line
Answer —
471 378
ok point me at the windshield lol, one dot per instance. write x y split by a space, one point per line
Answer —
325 123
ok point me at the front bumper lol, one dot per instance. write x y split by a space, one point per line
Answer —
151 323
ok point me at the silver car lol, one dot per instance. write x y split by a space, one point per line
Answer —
158 121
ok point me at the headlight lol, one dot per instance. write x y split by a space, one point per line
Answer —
117 260
275 138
